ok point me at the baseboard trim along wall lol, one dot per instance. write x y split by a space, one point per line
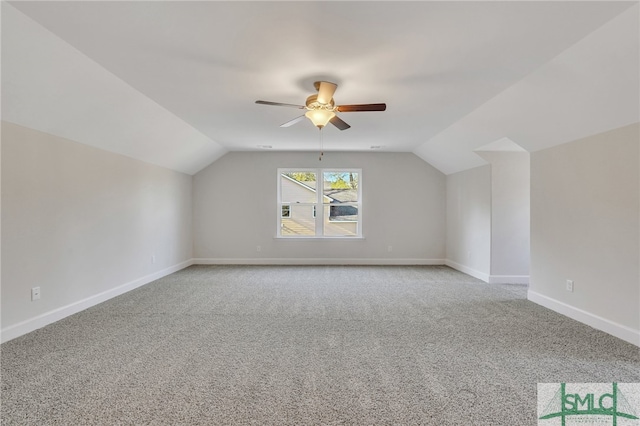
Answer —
469 271
509 279
32 324
618 330
314 261
623 332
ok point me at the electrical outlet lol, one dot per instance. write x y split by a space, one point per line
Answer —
389 249
570 285
153 259
35 293
258 248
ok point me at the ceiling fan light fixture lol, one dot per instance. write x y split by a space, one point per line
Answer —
320 117
322 109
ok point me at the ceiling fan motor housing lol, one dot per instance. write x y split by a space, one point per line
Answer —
313 104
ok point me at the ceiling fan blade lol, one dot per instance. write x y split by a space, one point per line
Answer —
361 107
292 122
339 123
326 91
280 104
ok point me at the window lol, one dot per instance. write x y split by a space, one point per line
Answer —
319 203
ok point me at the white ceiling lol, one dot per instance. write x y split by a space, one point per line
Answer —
174 83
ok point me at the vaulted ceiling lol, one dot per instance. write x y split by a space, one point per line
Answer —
174 83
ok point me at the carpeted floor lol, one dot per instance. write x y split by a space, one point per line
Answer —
276 345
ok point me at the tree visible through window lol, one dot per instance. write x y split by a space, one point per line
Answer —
319 203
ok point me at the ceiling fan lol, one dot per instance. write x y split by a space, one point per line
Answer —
321 108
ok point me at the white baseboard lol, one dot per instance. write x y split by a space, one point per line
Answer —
469 271
618 330
314 261
27 326
509 279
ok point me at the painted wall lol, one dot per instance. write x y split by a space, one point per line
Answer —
469 221
585 227
83 224
510 215
403 207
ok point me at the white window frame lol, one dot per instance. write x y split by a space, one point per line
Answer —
319 219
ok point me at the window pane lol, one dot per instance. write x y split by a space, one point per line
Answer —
319 202
301 221
340 220
340 187
298 187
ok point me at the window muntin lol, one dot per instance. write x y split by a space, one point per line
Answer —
338 197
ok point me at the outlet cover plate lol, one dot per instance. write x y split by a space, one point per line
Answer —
570 285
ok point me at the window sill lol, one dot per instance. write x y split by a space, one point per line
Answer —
319 238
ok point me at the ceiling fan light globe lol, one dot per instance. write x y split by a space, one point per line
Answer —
320 117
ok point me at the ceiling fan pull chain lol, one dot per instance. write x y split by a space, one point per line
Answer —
321 145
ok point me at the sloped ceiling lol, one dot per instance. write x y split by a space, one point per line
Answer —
174 83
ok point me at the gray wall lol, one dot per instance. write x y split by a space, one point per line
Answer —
469 221
584 227
403 207
510 215
81 223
